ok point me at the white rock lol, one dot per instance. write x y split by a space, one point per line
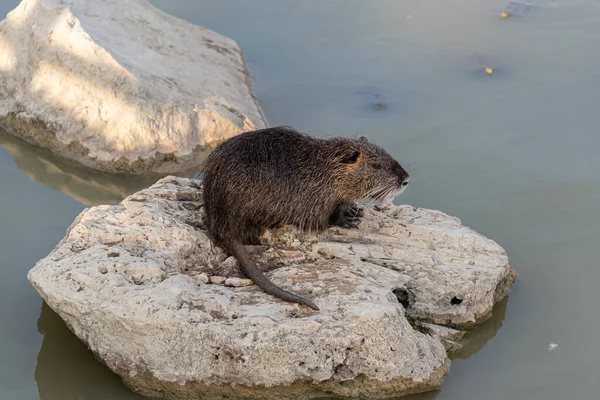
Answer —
218 280
119 85
167 336
456 275
202 278
238 282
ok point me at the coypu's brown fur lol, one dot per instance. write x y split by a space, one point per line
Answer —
277 176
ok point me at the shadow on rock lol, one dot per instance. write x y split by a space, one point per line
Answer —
67 370
421 396
86 185
478 337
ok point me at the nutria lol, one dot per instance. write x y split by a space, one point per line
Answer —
277 176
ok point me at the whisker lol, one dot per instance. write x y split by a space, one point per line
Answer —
385 195
377 194
380 194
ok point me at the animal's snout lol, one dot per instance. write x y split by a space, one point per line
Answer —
403 177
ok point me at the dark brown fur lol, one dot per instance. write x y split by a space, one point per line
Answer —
277 176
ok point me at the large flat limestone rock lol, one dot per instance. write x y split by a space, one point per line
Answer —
119 85
133 281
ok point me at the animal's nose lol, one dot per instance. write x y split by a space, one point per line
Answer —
403 177
400 172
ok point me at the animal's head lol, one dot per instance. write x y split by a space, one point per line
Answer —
367 171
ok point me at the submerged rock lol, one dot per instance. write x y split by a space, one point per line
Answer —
119 85
132 282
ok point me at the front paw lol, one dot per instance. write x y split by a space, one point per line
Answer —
354 211
350 217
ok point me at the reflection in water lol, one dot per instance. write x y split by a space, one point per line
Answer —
86 185
420 396
67 370
478 337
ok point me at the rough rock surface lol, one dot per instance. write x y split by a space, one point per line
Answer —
119 85
132 281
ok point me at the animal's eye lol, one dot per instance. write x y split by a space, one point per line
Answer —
351 158
376 166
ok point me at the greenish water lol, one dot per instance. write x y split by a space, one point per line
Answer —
514 155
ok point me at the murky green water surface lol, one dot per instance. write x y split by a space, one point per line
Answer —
514 155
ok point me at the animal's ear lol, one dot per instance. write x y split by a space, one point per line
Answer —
363 139
350 157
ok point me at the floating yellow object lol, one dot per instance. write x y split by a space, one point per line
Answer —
489 70
505 14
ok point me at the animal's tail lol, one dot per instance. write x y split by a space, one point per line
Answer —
238 251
